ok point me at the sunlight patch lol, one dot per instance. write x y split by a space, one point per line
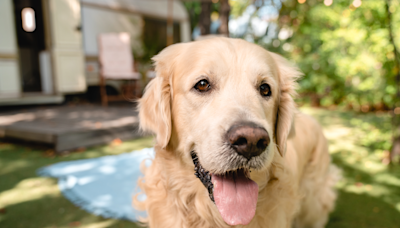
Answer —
387 179
103 224
29 190
398 207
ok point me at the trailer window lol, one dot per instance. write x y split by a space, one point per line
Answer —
28 19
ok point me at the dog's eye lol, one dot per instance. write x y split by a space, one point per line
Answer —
202 86
265 90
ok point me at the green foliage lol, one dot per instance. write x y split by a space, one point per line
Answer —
345 52
238 7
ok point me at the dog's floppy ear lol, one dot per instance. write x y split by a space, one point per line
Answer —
155 105
284 127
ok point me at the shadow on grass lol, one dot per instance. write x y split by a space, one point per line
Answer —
18 163
53 212
27 200
350 172
325 117
373 130
373 208
363 211
369 191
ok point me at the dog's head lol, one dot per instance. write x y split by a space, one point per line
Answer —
227 105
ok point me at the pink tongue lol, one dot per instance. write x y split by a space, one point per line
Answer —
236 197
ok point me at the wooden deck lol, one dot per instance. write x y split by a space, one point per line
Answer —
70 127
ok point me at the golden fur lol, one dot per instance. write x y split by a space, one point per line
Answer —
295 178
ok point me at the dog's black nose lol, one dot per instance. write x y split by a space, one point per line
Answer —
248 139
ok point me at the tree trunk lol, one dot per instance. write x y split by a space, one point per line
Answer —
395 151
205 17
315 100
224 10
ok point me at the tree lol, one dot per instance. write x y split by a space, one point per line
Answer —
395 150
200 14
224 10
205 17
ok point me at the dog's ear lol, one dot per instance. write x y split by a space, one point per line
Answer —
155 105
284 127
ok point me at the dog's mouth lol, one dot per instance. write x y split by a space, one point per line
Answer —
234 193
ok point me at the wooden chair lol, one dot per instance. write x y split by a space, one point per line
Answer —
116 63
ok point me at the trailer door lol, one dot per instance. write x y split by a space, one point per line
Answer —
10 85
67 49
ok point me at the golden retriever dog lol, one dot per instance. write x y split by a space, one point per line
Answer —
231 148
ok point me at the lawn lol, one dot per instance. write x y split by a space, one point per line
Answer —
29 201
369 193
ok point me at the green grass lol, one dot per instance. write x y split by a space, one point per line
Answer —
369 193
29 201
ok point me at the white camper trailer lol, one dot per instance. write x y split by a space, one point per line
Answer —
48 48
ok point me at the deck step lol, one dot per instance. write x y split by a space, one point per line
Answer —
71 127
